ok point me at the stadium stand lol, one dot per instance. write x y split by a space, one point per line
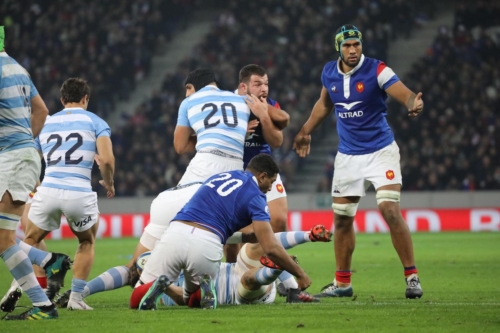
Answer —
293 40
108 43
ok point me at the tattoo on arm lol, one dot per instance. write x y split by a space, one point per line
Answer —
411 101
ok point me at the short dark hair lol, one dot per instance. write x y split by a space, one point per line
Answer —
200 78
263 163
133 275
74 89
249 70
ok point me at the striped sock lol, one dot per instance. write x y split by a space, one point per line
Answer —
292 238
266 275
113 278
20 267
37 256
288 280
410 270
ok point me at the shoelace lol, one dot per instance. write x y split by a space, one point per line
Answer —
413 283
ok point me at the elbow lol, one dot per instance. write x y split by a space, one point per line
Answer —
275 143
272 251
108 162
178 149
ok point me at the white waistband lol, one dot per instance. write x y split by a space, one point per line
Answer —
177 226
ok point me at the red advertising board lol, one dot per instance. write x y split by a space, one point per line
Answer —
366 221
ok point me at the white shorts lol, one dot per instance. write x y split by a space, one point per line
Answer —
19 172
80 209
163 210
277 190
183 247
205 165
354 173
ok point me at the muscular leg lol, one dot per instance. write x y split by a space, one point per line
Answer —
344 237
278 209
16 260
400 233
39 272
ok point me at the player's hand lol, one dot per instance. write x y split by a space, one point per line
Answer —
109 188
258 107
304 282
97 160
252 124
302 144
418 106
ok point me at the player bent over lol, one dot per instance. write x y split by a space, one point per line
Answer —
224 204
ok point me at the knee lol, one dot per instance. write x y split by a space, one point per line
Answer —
343 222
390 211
344 214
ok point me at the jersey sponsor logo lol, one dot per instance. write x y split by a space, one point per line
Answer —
336 189
267 209
252 144
348 106
389 174
360 87
353 114
83 222
334 89
280 188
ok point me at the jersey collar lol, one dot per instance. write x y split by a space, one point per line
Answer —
352 71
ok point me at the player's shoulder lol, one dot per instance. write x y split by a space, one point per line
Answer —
374 64
273 102
9 66
330 66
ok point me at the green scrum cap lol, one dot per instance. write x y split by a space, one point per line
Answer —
2 37
344 33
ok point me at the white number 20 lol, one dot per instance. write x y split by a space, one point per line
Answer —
223 189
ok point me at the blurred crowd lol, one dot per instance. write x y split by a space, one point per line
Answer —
109 43
291 39
453 144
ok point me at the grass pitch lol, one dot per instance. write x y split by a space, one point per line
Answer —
460 275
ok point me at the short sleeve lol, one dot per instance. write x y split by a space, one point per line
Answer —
385 76
182 118
258 209
101 127
33 90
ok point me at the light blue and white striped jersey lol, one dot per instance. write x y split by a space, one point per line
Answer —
16 92
219 119
68 142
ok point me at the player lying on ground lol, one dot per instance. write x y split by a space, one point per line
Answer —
248 281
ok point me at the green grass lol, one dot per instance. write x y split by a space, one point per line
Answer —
460 274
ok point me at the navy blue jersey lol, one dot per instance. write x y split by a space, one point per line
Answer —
359 97
225 203
255 144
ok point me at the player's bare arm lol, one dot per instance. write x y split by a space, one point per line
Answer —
272 134
280 118
322 108
106 164
184 140
38 114
408 98
277 253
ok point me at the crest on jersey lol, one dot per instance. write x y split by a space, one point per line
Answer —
389 174
280 188
334 89
360 87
